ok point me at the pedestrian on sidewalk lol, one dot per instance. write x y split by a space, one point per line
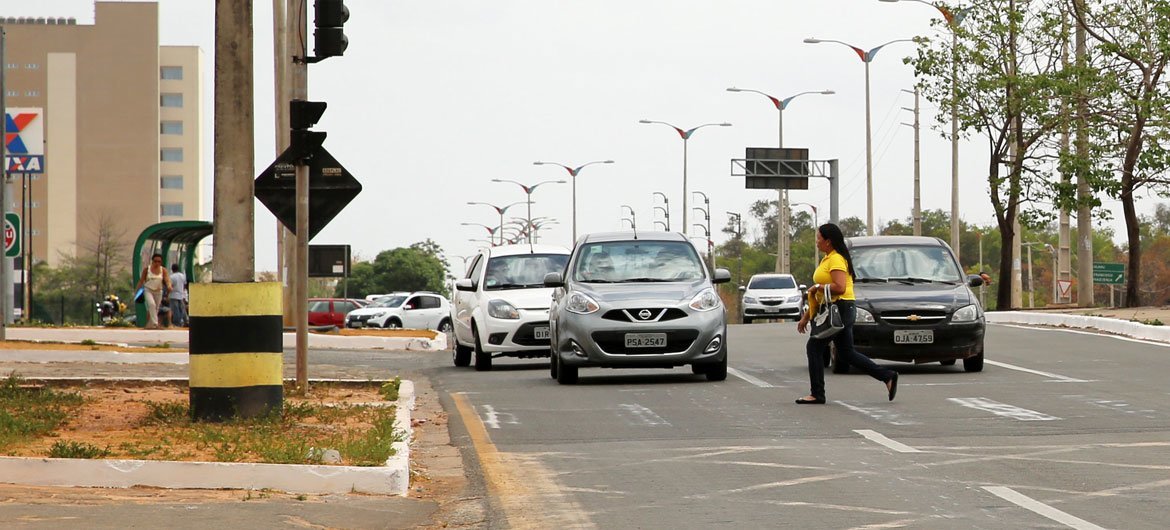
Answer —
836 271
178 296
153 281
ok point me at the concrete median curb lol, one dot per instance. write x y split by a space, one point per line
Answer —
393 478
179 336
1135 330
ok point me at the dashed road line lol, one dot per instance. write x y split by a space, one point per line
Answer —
750 378
880 439
493 418
636 414
879 414
1040 508
1002 409
1054 377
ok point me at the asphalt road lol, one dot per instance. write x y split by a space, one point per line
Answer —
1062 429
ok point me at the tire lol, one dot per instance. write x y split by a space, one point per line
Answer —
483 359
552 366
392 323
717 371
947 362
566 375
974 364
462 355
445 326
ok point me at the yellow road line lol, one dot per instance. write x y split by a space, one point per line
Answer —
525 488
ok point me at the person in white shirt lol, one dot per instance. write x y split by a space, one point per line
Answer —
178 296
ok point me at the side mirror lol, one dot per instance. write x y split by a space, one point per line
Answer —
974 280
721 276
803 287
465 284
742 289
554 279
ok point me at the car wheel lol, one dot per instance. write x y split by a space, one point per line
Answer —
483 359
393 323
445 326
947 362
974 364
717 371
552 366
462 355
566 375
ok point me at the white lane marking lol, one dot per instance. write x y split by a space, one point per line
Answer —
1118 406
880 439
1040 508
492 418
770 485
1057 378
749 378
879 414
1095 334
1002 409
635 414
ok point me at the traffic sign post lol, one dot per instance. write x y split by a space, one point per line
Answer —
331 188
11 235
1109 273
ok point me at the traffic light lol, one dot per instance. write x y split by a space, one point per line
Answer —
302 116
329 36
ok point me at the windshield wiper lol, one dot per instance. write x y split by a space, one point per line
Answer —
910 279
644 280
597 280
872 280
503 286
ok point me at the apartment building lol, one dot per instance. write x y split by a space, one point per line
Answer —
122 127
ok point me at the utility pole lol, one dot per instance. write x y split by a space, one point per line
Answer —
281 53
1063 272
233 246
6 266
917 211
299 74
1084 210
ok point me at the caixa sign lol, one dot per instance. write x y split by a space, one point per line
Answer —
24 139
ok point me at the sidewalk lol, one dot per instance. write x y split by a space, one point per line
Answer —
1136 322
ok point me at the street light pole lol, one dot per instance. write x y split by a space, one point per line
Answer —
633 218
706 209
816 225
528 192
866 57
665 209
500 210
573 172
686 136
782 243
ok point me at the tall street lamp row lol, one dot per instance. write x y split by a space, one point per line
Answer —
686 135
528 192
573 171
500 210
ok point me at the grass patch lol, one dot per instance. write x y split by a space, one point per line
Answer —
161 345
29 411
389 389
70 449
89 342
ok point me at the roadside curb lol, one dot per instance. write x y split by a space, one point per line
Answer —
393 478
288 340
1115 326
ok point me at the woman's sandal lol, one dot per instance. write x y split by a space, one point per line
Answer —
892 385
814 401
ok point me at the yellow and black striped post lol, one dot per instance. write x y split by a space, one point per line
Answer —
236 363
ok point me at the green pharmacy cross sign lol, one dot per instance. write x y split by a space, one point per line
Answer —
1109 273
11 235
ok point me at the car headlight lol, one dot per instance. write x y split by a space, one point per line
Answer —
794 298
705 301
379 314
863 317
502 309
966 314
581 304
750 300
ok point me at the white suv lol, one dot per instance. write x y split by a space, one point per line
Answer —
500 306
421 310
771 296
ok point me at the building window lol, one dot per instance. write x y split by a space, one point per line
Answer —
172 100
12 93
32 66
172 72
33 93
172 127
171 209
171 182
13 66
172 154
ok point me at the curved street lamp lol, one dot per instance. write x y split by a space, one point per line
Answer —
573 171
782 252
528 191
500 210
633 217
866 57
665 208
685 134
816 225
953 19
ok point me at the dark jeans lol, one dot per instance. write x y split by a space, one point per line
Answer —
817 349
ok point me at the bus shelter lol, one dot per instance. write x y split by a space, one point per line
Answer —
177 242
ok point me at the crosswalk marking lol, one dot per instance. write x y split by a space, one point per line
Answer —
1002 409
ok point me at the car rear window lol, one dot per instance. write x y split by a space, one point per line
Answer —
775 282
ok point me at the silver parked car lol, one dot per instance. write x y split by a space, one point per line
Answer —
637 300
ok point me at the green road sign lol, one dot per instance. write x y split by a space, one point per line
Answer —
1109 273
11 235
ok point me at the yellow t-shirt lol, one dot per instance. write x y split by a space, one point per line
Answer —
823 276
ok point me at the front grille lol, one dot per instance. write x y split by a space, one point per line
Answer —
614 342
657 314
526 335
771 302
912 317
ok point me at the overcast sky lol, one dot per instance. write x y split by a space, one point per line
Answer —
435 98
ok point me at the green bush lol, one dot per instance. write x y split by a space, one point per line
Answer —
67 449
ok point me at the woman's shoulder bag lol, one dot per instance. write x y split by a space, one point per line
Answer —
827 322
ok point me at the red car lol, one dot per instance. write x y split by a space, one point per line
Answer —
331 311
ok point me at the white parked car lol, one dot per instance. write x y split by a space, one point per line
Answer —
500 306
421 310
771 296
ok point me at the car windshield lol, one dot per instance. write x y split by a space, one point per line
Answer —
521 271
388 301
637 261
774 282
907 263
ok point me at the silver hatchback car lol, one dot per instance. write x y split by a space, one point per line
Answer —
637 300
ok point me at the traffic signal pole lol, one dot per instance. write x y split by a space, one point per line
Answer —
299 89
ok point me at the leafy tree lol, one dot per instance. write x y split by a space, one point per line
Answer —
419 267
